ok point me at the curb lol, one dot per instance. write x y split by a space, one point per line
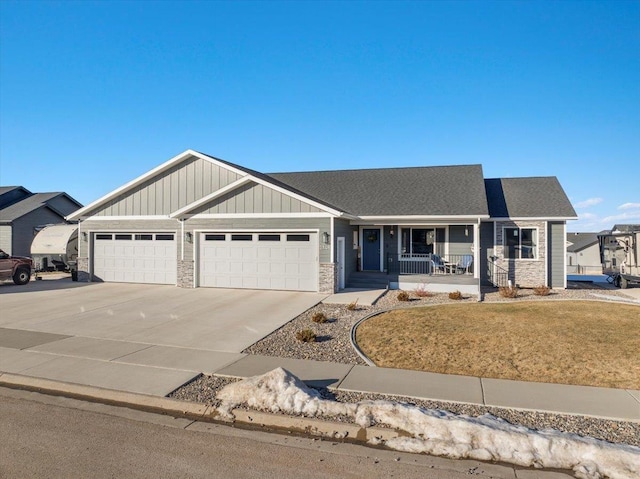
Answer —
243 418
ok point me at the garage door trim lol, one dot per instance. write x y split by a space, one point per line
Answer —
198 235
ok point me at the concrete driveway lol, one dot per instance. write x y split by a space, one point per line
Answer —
203 318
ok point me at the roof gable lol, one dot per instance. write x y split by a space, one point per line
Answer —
34 202
580 241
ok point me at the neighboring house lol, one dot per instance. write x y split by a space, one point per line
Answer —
199 221
583 253
23 214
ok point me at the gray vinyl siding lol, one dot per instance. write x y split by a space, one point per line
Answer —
262 224
5 239
173 226
23 229
124 226
171 190
256 198
486 250
344 229
63 204
459 243
556 258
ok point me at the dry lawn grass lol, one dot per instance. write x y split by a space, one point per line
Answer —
567 342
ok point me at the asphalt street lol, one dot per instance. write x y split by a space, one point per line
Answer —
47 436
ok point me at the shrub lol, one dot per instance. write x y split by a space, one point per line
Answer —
306 336
403 296
455 295
319 317
353 306
420 292
509 291
541 290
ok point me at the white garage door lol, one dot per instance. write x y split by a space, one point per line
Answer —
284 261
135 257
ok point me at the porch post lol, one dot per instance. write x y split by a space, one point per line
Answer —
476 250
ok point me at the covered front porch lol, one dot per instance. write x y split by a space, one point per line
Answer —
438 256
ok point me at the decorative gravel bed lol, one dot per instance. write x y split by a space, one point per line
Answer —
334 345
204 388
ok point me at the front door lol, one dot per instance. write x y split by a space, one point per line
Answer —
371 249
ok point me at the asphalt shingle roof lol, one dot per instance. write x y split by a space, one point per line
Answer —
580 241
531 197
425 191
27 205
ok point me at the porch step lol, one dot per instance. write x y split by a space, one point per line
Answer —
363 279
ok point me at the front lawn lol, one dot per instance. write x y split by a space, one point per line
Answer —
568 342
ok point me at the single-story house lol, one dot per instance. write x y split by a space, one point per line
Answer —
23 214
583 253
199 221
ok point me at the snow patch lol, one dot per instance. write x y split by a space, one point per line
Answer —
441 433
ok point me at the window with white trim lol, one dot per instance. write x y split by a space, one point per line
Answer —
421 241
520 243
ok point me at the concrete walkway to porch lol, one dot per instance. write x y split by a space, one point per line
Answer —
363 296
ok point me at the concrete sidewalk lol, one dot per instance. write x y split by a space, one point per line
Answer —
158 370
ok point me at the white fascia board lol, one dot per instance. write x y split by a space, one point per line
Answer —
214 216
140 179
413 219
284 191
212 196
531 218
127 218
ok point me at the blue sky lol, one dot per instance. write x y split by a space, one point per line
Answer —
94 94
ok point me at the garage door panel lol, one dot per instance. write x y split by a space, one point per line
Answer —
261 263
136 260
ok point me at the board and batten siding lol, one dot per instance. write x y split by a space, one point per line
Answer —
5 239
171 190
557 255
256 198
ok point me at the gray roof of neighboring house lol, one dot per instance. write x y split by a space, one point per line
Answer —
580 241
424 191
29 204
532 197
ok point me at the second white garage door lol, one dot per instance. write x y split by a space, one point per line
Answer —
282 261
135 257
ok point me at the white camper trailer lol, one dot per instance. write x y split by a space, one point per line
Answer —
620 254
55 248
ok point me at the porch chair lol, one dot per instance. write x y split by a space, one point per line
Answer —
437 265
464 264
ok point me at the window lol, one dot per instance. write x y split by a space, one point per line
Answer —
297 237
103 237
268 237
520 243
241 237
144 237
421 241
123 237
214 237
164 237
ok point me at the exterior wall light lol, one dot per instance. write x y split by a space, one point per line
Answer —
326 237
188 237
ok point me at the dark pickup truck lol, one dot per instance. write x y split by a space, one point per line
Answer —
17 268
